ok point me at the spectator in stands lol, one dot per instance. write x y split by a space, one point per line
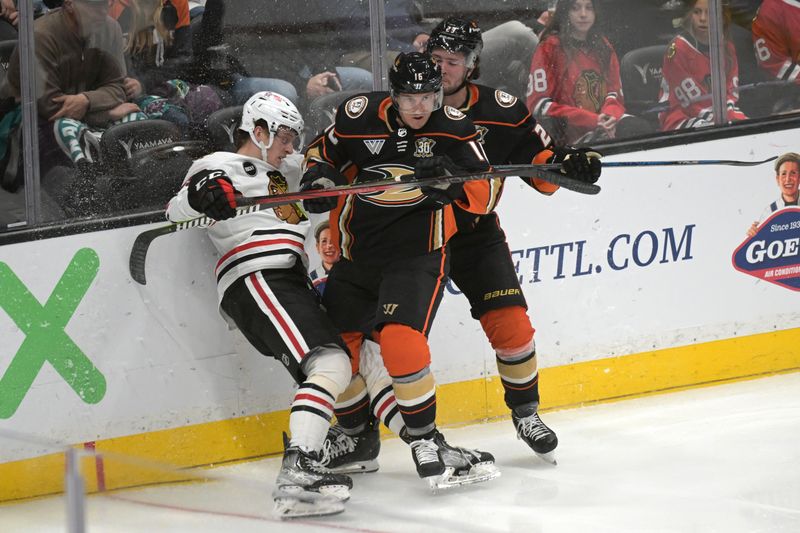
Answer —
787 176
574 87
159 53
686 84
8 11
329 253
80 79
776 41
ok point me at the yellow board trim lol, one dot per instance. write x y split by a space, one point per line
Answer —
458 403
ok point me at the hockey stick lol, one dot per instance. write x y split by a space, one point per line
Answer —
141 244
683 162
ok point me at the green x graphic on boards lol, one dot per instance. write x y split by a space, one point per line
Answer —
45 337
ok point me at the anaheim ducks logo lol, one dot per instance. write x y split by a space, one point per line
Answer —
504 99
356 106
590 91
453 113
290 213
397 197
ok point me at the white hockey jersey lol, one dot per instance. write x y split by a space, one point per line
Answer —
272 238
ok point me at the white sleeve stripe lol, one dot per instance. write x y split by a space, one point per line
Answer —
541 108
784 68
794 74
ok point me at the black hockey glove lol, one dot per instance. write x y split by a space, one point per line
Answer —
321 176
211 193
582 164
435 167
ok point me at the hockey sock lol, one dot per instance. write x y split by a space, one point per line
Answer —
379 388
310 416
510 332
407 358
352 406
328 371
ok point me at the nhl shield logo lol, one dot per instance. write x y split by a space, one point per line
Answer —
773 253
423 147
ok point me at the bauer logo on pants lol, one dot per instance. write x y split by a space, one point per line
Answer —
773 253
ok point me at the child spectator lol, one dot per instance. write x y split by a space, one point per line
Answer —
686 84
574 86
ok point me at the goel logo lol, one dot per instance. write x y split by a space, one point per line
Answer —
773 254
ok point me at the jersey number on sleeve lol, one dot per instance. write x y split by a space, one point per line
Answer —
762 51
539 80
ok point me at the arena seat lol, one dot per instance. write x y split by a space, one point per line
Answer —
322 111
221 126
641 75
142 164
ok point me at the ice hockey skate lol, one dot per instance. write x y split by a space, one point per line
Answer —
445 466
530 428
305 488
351 454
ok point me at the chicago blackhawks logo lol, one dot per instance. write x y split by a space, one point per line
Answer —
397 197
423 147
590 91
290 213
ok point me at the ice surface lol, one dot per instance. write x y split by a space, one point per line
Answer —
723 458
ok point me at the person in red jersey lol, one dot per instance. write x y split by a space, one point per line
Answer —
574 83
776 39
686 84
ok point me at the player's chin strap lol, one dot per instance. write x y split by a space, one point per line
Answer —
261 145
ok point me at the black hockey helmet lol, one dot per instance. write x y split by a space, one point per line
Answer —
414 73
454 34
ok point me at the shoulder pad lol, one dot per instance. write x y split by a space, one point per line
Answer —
452 113
504 99
354 107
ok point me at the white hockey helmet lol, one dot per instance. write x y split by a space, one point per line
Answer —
277 111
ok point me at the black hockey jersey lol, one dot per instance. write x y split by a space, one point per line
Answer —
507 130
367 143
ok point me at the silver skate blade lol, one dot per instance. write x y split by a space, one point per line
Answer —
549 457
477 474
294 502
359 467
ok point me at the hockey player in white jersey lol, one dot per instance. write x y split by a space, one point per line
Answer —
264 289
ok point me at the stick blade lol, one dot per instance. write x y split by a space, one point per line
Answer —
138 258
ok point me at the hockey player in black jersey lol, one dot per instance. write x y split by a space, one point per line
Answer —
481 263
265 292
394 261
